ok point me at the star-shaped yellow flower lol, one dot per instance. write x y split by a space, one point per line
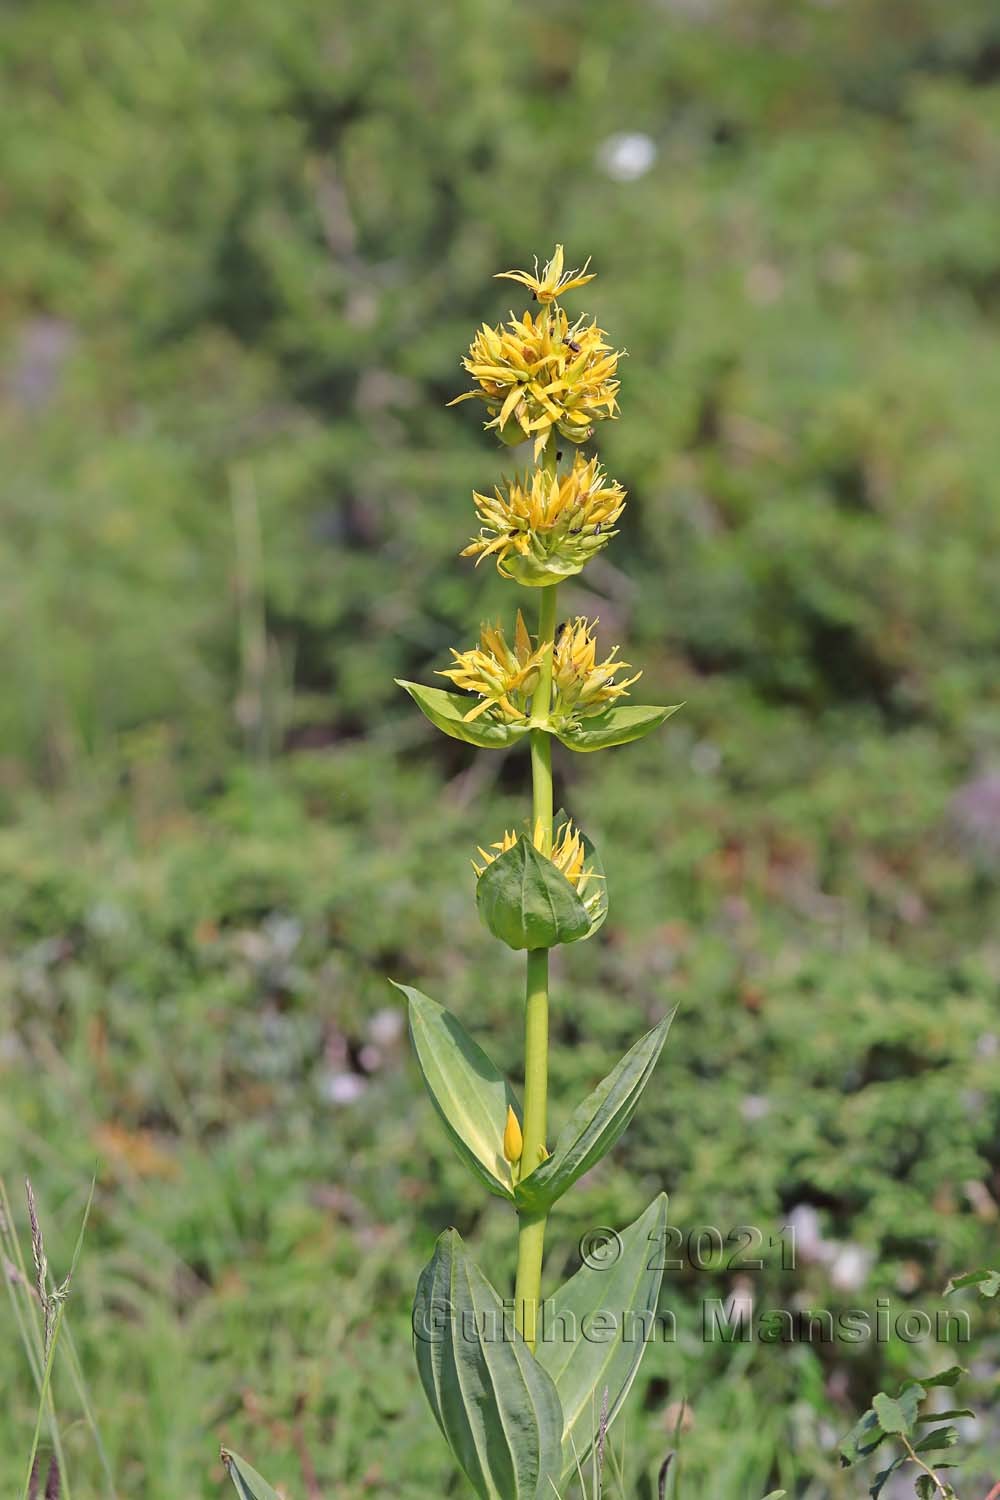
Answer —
548 286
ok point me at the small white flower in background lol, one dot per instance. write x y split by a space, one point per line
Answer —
627 156
809 1242
849 1267
344 1088
848 1264
386 1027
755 1107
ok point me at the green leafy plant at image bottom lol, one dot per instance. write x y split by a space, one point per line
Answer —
899 1419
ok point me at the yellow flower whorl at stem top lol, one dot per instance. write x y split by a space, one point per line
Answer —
568 855
548 526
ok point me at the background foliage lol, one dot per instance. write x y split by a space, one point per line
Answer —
243 248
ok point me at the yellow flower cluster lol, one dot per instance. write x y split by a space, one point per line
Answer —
568 855
503 676
548 526
540 372
581 684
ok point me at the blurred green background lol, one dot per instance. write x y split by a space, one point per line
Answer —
243 248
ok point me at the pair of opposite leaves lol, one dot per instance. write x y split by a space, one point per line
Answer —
617 725
472 1098
519 1424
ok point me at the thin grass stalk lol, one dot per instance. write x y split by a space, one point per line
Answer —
28 1329
50 1354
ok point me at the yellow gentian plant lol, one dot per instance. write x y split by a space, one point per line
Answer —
521 1390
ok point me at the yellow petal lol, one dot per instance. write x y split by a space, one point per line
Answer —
521 276
510 406
522 639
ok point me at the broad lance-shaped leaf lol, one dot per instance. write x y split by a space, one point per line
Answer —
593 1333
248 1483
595 1125
615 726
469 1093
527 902
447 712
497 1407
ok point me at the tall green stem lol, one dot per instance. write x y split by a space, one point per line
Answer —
531 1227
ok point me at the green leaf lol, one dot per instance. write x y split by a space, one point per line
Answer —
527 903
592 1334
943 1416
447 712
498 1409
248 1483
927 1489
899 1414
941 1437
595 1125
986 1282
882 1476
948 1377
863 1438
615 726
467 1090
532 574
